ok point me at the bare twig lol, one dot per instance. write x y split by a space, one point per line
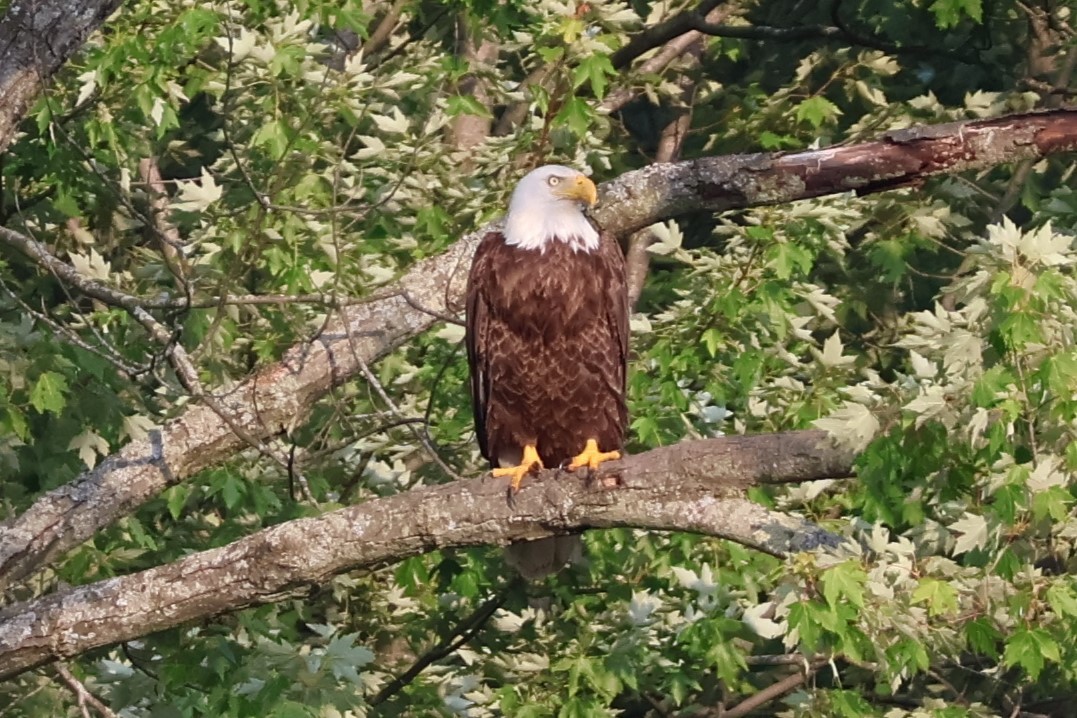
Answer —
662 33
86 699
166 234
674 49
770 693
479 52
380 37
461 634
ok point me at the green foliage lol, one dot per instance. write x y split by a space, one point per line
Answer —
934 341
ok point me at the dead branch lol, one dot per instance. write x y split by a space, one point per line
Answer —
695 486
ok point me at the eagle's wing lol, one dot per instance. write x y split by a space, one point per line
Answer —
477 335
617 309
617 312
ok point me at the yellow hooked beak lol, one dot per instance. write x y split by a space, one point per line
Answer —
579 188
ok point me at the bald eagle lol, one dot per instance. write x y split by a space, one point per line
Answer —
547 343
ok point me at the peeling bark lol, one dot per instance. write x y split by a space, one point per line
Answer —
693 486
897 159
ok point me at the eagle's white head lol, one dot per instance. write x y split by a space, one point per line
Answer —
547 205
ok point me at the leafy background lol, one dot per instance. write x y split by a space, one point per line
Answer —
931 328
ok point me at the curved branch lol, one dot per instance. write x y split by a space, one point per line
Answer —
281 395
661 33
694 486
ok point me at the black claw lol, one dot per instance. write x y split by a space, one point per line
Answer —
510 496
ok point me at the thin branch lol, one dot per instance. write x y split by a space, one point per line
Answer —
85 698
662 33
770 693
380 37
460 635
670 143
688 42
40 255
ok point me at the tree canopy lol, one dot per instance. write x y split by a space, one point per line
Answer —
238 475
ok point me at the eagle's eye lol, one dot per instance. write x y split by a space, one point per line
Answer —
553 181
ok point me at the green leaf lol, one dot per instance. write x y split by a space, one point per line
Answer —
712 339
817 110
983 637
1060 372
1019 329
577 114
948 13
15 422
849 704
176 499
889 256
940 596
274 137
1052 503
995 381
845 582
596 69
1062 600
467 105
809 620
1030 648
48 393
771 141
788 258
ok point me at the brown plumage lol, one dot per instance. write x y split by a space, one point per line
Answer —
547 340
547 343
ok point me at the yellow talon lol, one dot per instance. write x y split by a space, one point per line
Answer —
530 462
592 457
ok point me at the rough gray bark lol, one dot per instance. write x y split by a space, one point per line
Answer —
281 395
693 486
36 39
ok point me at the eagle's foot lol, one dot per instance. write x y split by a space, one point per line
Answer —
591 457
531 463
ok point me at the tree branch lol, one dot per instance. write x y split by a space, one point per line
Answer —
691 41
661 33
670 143
38 38
281 395
695 486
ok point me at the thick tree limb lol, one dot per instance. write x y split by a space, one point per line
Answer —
36 39
693 486
281 395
